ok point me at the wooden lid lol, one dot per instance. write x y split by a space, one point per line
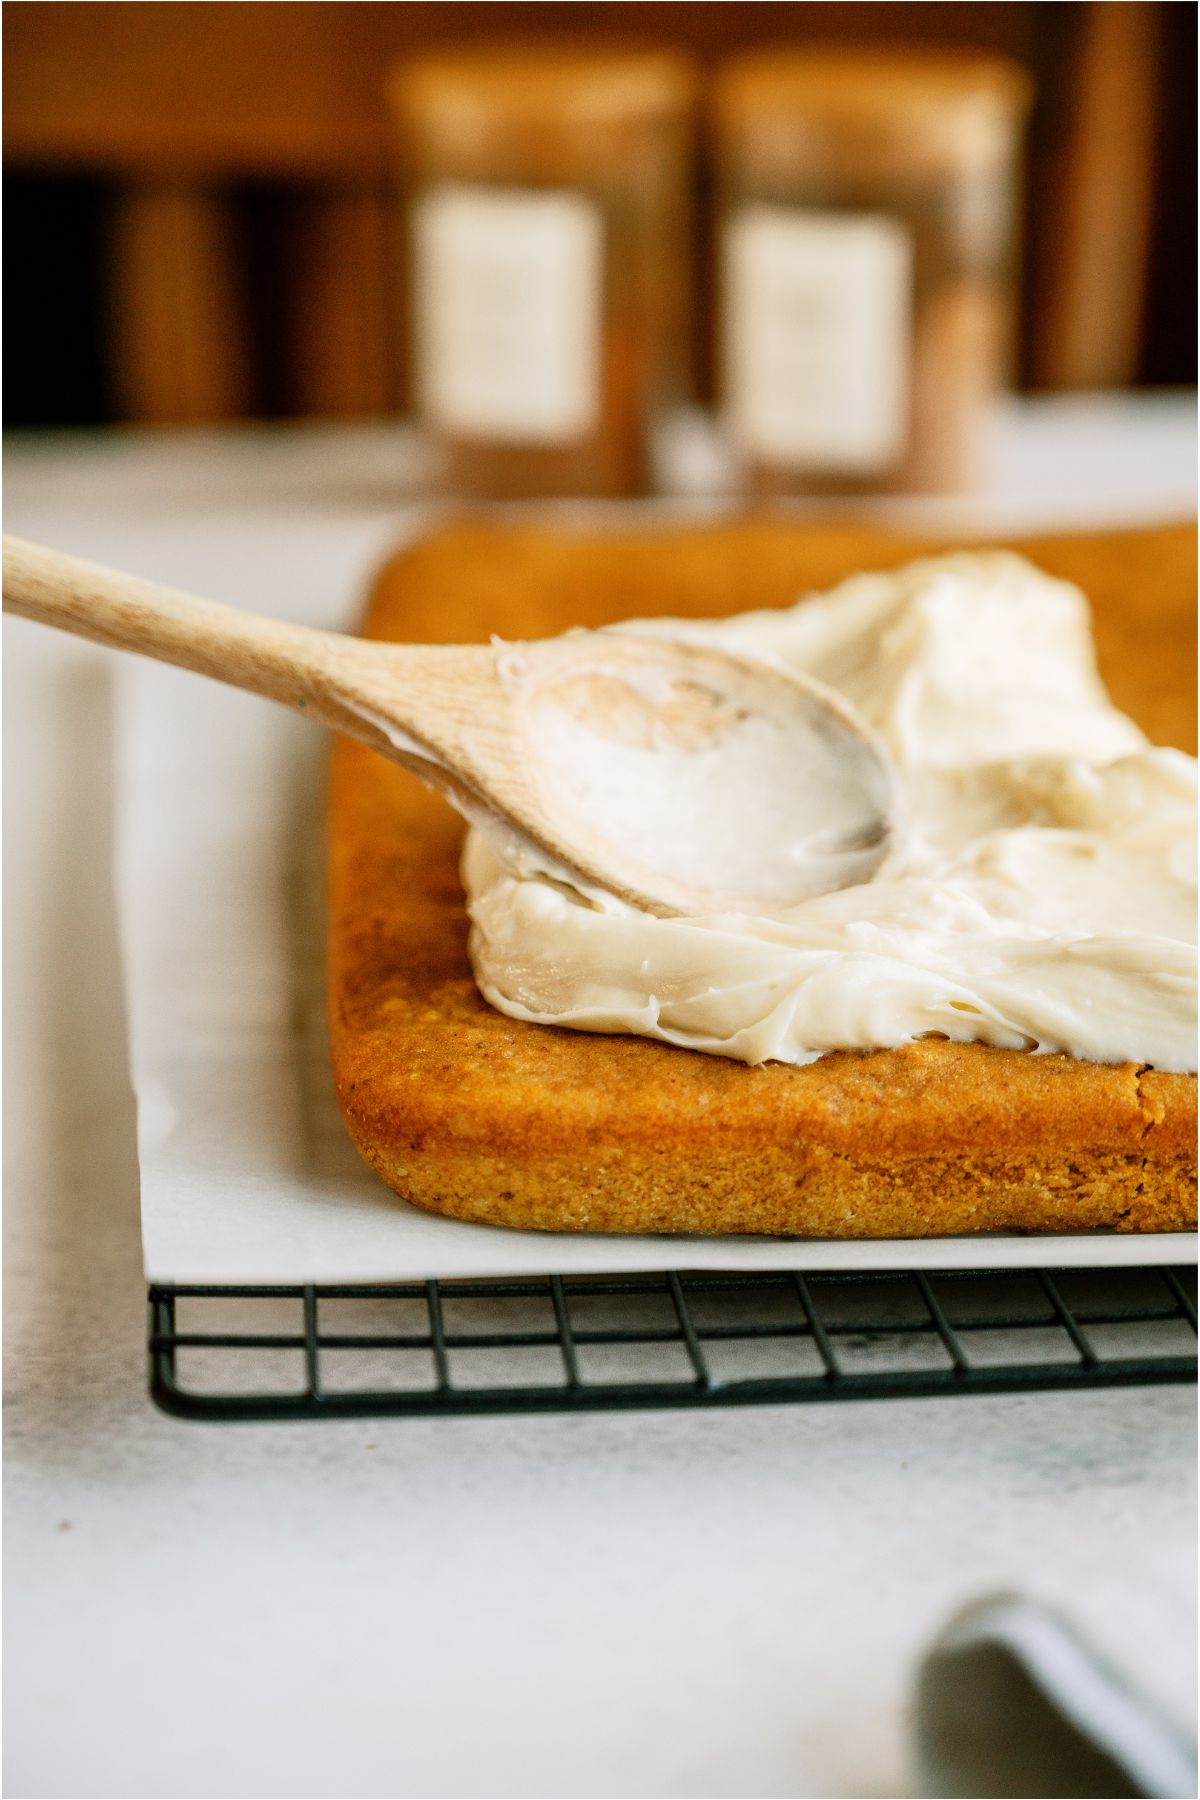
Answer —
510 86
914 107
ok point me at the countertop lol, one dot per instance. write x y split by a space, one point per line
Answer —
724 1603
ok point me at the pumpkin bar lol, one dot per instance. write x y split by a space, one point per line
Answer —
467 1112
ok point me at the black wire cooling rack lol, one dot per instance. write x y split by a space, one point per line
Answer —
570 1344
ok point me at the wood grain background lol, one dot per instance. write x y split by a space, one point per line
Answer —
199 195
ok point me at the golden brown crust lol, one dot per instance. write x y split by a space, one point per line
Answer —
467 1112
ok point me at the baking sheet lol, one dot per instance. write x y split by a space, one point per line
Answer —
247 1173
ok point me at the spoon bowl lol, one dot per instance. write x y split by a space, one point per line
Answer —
711 783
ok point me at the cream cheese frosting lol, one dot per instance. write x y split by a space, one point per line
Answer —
1040 895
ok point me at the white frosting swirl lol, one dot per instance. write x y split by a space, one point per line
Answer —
1042 898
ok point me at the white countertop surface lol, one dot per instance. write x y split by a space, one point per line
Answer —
723 1603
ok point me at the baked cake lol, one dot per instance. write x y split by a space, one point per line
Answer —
466 1111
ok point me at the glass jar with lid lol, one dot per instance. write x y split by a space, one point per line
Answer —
548 202
866 212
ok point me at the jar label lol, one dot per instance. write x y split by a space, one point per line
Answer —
508 296
817 337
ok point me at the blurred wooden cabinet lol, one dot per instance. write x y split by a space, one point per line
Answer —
250 237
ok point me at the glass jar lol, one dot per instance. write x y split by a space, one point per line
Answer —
548 201
866 208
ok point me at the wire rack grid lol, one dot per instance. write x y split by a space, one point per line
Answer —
687 1339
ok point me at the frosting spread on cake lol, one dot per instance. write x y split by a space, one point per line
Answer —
1040 896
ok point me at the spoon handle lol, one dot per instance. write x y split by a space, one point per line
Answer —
289 663
434 692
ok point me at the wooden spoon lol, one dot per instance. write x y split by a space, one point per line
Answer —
679 778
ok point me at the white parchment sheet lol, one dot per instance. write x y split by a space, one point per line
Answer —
247 1172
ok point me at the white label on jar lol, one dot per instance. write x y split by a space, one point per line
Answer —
508 297
817 329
